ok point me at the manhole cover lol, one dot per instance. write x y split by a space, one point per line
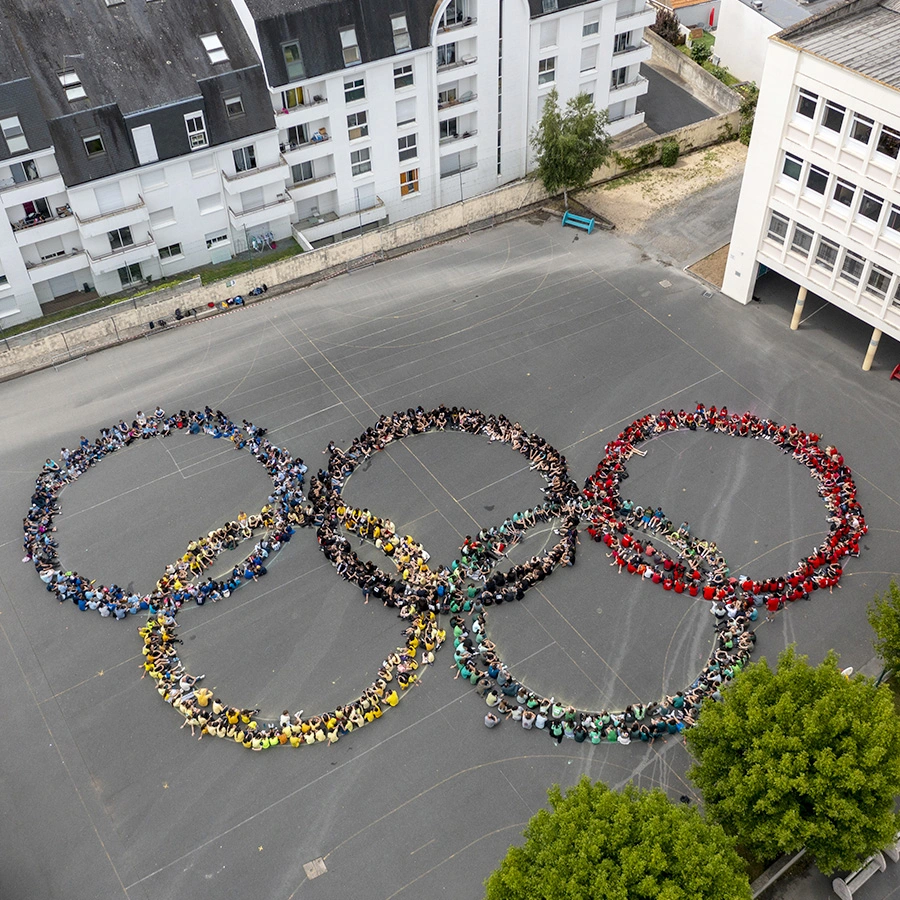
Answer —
665 283
315 868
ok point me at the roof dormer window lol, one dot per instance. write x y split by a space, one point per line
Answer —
350 47
72 85
214 49
13 134
401 34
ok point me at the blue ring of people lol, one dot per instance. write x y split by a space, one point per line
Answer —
641 541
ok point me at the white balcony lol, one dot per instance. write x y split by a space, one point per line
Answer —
303 190
123 256
464 103
643 17
634 88
13 194
328 224
297 153
632 56
259 215
452 71
463 141
125 216
460 30
45 228
299 115
250 179
63 264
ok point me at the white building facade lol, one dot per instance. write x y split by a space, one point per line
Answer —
820 198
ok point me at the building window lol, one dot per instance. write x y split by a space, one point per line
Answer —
591 24
120 237
214 49
406 144
293 61
93 145
162 217
589 58
778 227
893 219
448 129
196 130
291 98
870 206
622 42
807 102
13 134
446 55
301 172
169 252
852 267
361 161
878 282
454 14
827 254
618 78
129 275
355 90
401 34
549 6
409 182
3 281
72 85
792 166
26 170
834 116
549 32
234 106
447 97
547 70
209 203
888 142
817 179
861 128
350 47
216 237
358 125
802 240
403 76
244 158
297 135
844 192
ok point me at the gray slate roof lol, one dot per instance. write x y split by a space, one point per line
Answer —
863 35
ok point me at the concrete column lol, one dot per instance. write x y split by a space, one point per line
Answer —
870 353
798 309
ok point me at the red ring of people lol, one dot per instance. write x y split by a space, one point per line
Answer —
421 593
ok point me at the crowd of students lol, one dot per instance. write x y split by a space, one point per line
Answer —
641 541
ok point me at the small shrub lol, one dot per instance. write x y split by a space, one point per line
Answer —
720 72
700 52
668 154
666 26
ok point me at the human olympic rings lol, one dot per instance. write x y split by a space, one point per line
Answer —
423 593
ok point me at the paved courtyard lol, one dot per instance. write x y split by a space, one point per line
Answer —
572 335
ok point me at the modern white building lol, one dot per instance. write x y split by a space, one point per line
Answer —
820 198
743 29
141 138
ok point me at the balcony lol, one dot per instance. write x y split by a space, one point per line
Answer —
458 142
259 215
632 56
634 88
451 70
40 228
101 223
54 266
13 193
642 17
303 190
457 26
123 256
297 153
458 170
329 224
461 100
260 176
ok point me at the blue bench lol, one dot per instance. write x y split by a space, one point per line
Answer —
578 222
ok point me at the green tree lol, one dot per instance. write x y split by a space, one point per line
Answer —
700 52
749 98
597 843
884 617
666 26
569 144
801 757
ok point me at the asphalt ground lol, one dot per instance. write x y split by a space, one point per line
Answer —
667 105
574 336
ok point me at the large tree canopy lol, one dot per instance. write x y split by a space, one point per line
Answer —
884 617
597 843
801 757
570 144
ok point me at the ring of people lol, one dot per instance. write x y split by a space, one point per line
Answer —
454 597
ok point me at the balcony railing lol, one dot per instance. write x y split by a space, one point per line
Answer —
333 216
461 23
459 170
272 204
317 138
47 260
458 137
256 170
638 46
112 212
120 250
7 184
308 181
458 63
462 98
621 87
307 104
36 219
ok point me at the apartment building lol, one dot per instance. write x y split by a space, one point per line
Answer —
820 198
140 138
